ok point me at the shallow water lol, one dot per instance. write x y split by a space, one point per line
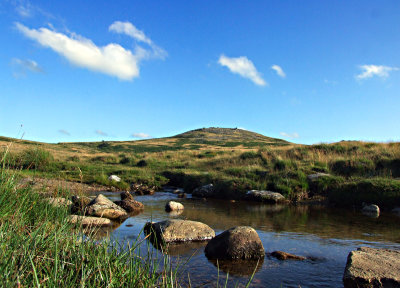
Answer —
325 235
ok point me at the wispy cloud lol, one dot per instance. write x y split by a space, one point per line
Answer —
289 135
111 59
24 9
279 71
369 71
65 132
22 66
101 133
140 135
129 29
244 67
330 82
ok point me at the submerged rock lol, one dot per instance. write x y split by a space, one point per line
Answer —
128 203
173 206
141 189
264 196
179 231
87 221
204 191
240 242
371 210
103 207
396 211
286 256
370 267
238 267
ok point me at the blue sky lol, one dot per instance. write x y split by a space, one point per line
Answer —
305 71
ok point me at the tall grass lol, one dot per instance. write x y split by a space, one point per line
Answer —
40 248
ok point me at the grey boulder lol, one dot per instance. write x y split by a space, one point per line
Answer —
240 242
204 191
179 231
264 196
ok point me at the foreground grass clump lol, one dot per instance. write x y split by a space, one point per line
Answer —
39 248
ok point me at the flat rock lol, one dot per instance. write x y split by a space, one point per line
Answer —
59 202
370 267
105 208
179 231
173 206
286 256
130 205
264 196
240 242
204 191
87 221
315 176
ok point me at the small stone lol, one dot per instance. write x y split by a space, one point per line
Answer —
114 178
372 210
173 206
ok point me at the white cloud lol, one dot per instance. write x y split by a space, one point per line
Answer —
279 71
129 29
140 135
244 67
21 67
24 10
65 132
101 133
370 71
289 135
111 59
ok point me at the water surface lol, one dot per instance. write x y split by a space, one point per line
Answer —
325 235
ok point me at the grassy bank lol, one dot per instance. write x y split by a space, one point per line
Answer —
233 160
39 248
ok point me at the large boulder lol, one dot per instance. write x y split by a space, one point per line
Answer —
179 231
103 207
264 196
173 206
241 242
128 203
204 191
370 267
86 221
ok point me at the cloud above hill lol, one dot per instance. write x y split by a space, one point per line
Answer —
369 71
244 67
140 135
111 59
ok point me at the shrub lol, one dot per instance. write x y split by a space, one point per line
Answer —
36 159
142 163
357 167
249 155
382 192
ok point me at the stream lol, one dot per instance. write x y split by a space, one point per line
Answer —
325 235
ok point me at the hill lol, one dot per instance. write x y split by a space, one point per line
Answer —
234 160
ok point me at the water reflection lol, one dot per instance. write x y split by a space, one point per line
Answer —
238 267
325 235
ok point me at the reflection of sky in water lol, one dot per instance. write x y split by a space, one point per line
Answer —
326 235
